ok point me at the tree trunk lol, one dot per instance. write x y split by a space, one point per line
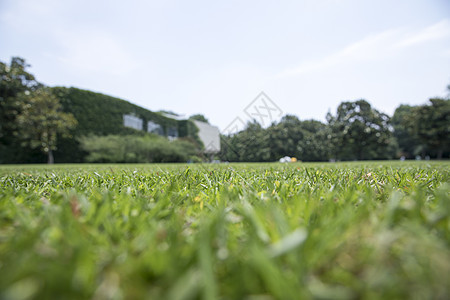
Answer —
360 153
50 157
440 153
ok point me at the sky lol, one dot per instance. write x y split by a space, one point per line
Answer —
216 57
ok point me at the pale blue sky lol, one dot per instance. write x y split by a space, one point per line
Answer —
214 57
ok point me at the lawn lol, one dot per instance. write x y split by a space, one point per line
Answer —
372 230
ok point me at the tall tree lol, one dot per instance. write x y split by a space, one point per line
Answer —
252 143
431 124
315 145
41 121
408 141
284 137
360 132
14 80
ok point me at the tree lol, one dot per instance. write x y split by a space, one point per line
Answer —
14 80
408 141
284 136
41 121
360 132
250 144
315 144
199 117
431 124
306 140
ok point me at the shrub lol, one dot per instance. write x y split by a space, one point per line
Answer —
136 149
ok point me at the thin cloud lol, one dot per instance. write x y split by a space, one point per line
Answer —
374 47
440 30
370 47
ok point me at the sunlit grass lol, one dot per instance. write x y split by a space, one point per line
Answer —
267 231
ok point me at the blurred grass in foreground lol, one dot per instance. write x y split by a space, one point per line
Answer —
237 231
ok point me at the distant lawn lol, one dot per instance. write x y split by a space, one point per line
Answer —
378 229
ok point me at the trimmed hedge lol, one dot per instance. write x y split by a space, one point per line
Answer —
136 149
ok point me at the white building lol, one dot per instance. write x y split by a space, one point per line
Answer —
209 135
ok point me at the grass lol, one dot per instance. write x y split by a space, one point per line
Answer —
374 230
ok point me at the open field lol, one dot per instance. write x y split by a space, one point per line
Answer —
238 231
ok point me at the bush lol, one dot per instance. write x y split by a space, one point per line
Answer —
136 149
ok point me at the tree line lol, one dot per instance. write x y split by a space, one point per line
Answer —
37 120
357 131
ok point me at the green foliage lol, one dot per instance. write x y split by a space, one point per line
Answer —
251 145
14 81
356 132
133 149
237 231
430 124
99 114
359 131
315 145
305 140
285 137
188 130
408 142
41 120
199 117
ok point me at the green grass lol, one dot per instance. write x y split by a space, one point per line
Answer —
375 230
